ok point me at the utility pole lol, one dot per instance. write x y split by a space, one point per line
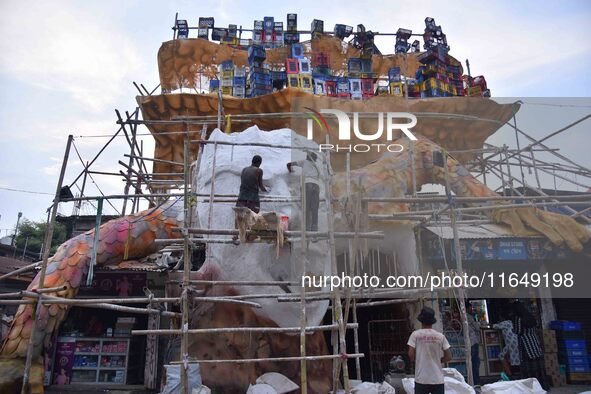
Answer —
18 219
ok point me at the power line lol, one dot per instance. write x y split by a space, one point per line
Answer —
25 191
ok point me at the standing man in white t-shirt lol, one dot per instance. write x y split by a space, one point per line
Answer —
429 349
312 172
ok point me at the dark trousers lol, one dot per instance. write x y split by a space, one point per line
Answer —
534 368
429 388
475 363
312 204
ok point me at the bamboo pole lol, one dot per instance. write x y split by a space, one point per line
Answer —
444 199
273 359
16 302
186 278
92 301
46 249
337 299
364 115
95 241
303 269
127 183
21 270
394 292
126 309
460 291
384 302
240 282
474 209
309 234
231 330
212 186
356 342
50 289
352 266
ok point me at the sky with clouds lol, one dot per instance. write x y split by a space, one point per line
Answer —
66 65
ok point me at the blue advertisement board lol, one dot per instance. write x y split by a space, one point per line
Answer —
501 249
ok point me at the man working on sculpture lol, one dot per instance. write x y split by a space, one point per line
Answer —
251 180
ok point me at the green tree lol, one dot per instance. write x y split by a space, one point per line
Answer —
33 234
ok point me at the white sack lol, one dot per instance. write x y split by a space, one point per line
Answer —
523 386
173 378
452 386
260 389
281 383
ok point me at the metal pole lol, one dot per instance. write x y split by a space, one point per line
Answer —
18 219
25 248
46 250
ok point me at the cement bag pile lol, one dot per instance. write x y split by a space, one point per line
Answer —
259 261
453 380
524 386
373 388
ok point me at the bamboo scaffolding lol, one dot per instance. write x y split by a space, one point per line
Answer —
473 209
556 198
137 176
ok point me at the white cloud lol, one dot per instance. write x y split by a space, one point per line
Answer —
53 168
61 47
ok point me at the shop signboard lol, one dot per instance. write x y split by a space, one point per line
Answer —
505 249
512 249
121 284
481 249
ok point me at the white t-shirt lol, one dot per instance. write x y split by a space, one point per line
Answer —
429 345
310 170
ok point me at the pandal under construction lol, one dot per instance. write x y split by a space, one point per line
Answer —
233 301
